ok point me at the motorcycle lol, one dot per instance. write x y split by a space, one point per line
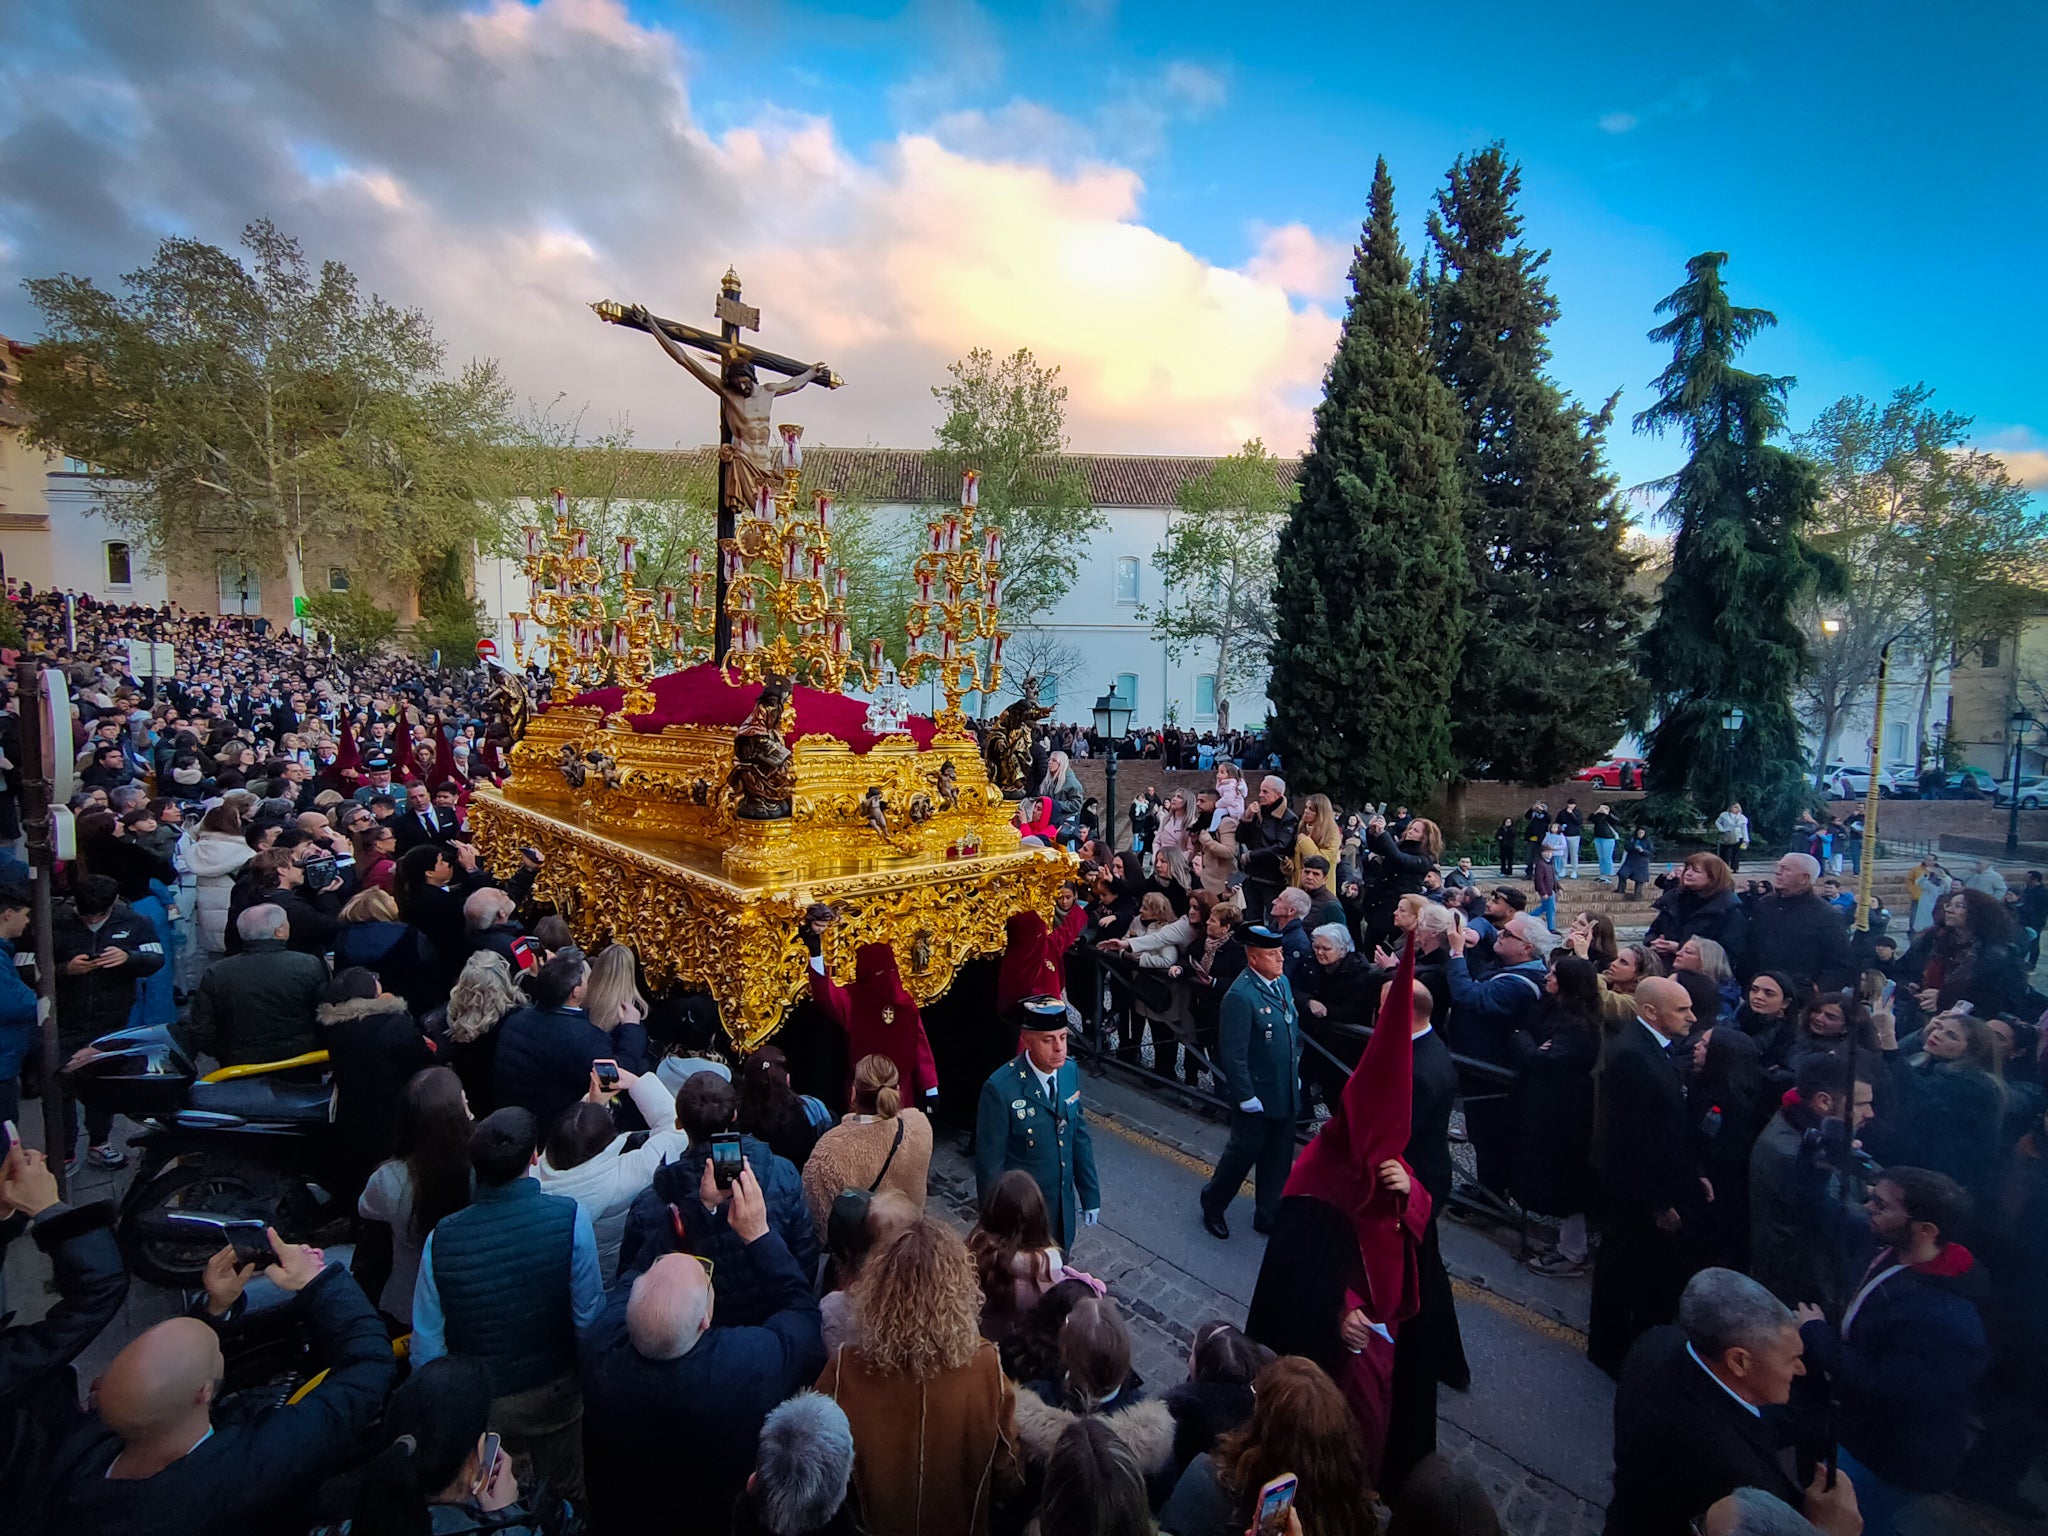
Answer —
246 1143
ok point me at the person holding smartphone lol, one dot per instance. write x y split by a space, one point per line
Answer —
442 1468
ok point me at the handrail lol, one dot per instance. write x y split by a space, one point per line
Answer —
259 1068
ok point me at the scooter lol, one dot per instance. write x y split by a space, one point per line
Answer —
246 1143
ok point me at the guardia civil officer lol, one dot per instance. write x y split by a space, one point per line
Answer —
1030 1118
1258 1047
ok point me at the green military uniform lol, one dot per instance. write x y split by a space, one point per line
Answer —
1017 1126
1258 1049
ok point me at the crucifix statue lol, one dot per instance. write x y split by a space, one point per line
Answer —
746 454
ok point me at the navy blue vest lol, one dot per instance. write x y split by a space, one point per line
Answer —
502 1268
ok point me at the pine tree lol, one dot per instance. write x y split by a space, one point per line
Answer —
1371 566
1545 682
1726 633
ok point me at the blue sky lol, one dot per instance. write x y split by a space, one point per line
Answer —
1876 173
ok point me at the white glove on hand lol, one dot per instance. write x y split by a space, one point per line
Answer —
1252 1106
1088 1218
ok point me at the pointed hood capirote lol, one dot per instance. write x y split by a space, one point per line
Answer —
1370 1126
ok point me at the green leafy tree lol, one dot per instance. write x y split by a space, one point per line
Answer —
1370 569
1217 565
1728 632
451 619
1007 417
358 623
263 407
1546 681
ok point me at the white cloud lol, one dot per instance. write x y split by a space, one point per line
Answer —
1617 122
1300 262
506 167
2029 466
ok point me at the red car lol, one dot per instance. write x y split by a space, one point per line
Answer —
1614 773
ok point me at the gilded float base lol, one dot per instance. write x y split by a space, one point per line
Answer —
727 923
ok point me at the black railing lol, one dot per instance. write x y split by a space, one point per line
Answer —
1120 1037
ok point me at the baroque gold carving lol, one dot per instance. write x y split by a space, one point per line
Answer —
737 938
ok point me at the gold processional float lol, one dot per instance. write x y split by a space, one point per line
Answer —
695 815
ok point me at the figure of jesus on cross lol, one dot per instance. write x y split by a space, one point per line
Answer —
746 453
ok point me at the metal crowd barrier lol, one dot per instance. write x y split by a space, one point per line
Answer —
1101 988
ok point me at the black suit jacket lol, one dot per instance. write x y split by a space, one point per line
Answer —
1640 1144
411 833
1429 1117
1681 1442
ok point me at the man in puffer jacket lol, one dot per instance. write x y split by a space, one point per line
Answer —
704 1108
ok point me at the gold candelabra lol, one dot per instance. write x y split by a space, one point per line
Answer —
786 598
960 584
586 646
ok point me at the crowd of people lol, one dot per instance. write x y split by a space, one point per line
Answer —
641 1277
1664 1109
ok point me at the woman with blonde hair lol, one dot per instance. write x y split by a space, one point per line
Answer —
1703 955
483 995
612 996
934 1418
1317 831
373 936
879 1144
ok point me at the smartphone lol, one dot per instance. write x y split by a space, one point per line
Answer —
1275 1499
725 1158
607 1074
251 1243
13 1138
487 1463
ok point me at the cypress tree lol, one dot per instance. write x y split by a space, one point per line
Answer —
1726 633
1370 568
1546 681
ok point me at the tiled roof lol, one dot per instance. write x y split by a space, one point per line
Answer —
912 476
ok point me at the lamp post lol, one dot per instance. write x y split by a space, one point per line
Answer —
2017 724
1731 726
1112 719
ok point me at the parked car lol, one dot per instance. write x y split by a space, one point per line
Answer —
1851 781
2033 792
1968 784
1614 773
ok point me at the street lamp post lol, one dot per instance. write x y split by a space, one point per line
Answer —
2018 722
1731 725
1112 719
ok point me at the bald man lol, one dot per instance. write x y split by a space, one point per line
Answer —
152 1459
1648 1178
659 1372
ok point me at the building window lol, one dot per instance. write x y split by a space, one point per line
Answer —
120 565
337 578
76 466
1205 694
1127 579
1127 689
241 589
1987 655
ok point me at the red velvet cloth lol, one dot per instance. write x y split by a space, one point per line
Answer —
701 696
1369 1126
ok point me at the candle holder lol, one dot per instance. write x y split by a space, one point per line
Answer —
786 598
588 641
959 595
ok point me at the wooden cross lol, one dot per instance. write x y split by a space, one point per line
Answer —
733 316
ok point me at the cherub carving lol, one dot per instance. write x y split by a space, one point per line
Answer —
571 766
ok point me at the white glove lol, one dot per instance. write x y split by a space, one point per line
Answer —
1088 1218
1252 1106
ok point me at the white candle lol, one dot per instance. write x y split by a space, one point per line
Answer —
970 488
626 564
668 601
696 562
839 582
562 505
532 541
824 512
